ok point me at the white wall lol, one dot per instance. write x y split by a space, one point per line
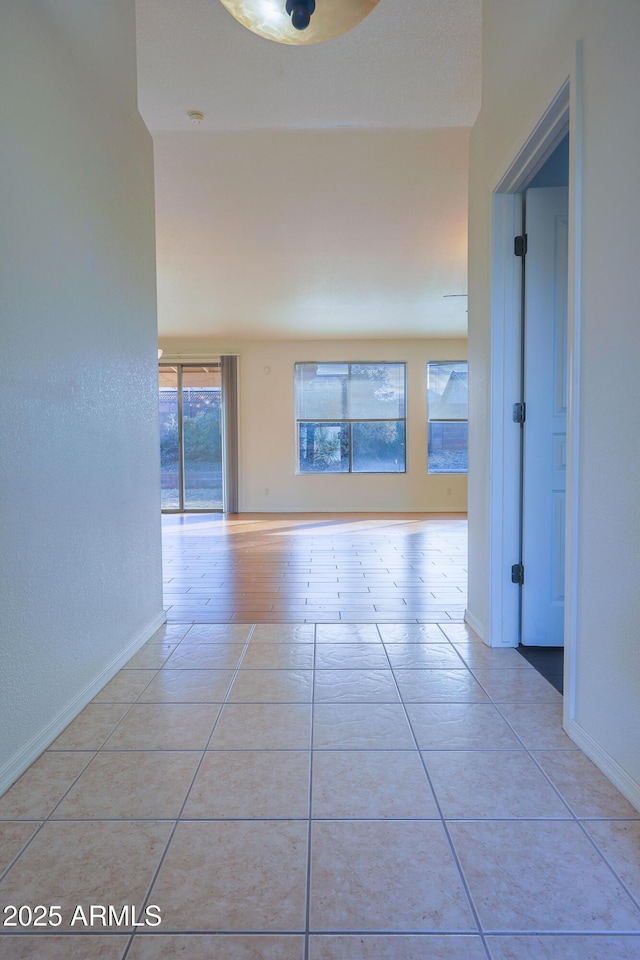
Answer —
267 429
80 583
529 51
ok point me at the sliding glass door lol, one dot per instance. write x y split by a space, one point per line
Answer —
191 436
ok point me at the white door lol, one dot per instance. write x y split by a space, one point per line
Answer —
545 428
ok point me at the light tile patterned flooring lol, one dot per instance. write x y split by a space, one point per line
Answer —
311 568
323 791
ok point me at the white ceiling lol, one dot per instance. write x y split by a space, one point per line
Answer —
325 192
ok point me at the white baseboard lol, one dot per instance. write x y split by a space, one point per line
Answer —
619 777
16 766
475 624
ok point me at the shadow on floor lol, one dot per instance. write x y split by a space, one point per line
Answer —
549 661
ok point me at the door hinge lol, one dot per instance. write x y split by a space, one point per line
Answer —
520 245
517 573
519 412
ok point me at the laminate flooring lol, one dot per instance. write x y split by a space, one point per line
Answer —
354 568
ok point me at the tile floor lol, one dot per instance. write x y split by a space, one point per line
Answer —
321 791
361 568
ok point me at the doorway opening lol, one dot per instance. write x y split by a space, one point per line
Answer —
508 493
529 170
542 416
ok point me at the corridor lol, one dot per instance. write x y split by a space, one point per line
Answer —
315 759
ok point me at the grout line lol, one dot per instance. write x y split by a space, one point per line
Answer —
445 827
190 787
307 918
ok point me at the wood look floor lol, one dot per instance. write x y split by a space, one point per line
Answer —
357 568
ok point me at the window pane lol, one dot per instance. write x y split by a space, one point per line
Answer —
376 391
201 420
448 447
448 391
321 390
169 455
378 447
323 447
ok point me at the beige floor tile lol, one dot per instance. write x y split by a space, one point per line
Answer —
351 656
619 841
131 785
494 658
91 727
151 656
278 656
396 947
272 686
13 837
205 656
519 686
460 633
385 875
353 686
188 686
429 686
361 726
70 947
412 633
541 876
263 726
565 948
234 875
218 633
283 633
165 726
413 656
460 726
218 947
487 784
42 786
170 633
371 784
74 864
126 686
539 725
347 633
249 784
583 786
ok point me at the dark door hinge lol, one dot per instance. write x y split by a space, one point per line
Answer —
519 412
520 245
517 573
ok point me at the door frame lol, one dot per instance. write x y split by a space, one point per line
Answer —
563 114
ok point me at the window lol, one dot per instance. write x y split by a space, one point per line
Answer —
447 414
350 417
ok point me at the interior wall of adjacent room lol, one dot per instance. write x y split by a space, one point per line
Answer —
80 582
268 437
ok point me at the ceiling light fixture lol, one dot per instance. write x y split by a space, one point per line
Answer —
299 21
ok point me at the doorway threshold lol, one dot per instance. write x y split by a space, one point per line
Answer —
549 661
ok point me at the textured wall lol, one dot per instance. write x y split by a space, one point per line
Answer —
529 51
79 524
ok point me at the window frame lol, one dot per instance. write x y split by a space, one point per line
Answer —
445 420
350 422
